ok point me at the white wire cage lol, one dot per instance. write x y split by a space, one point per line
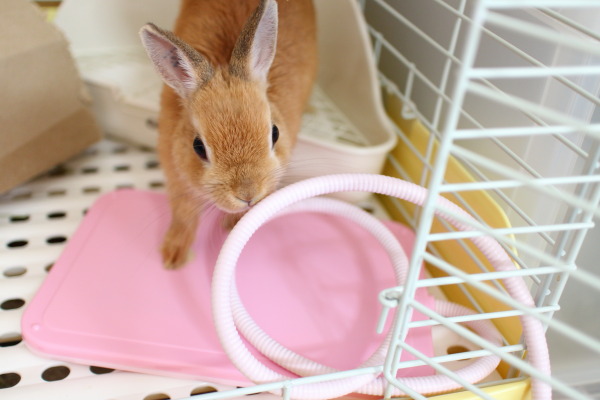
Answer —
494 103
509 90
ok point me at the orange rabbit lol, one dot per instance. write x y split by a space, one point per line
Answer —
238 76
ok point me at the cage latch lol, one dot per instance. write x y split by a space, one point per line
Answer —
389 298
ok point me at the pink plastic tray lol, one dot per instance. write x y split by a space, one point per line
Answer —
310 280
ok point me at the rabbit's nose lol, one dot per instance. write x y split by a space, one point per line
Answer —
248 194
250 198
249 202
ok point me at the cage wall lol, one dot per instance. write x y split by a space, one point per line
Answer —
500 120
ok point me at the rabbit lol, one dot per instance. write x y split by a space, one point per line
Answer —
238 77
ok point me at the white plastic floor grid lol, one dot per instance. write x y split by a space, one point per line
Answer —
323 121
36 221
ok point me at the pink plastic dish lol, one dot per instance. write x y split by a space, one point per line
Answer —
310 280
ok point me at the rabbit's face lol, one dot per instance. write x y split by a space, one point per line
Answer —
225 142
234 143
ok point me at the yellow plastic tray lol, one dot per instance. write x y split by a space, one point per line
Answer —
481 203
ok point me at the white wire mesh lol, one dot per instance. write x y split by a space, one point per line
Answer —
508 88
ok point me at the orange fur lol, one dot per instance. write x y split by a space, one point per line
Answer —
232 115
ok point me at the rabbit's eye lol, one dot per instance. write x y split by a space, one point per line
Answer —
200 149
274 134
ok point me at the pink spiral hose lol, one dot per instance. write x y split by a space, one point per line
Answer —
229 314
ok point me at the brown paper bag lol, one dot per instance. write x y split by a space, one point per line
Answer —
44 117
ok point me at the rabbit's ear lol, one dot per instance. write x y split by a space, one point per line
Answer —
255 48
181 67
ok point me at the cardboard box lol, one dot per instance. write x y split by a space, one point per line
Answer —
44 114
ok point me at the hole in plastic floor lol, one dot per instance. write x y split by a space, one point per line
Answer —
57 373
57 192
156 185
122 168
12 304
56 215
10 339
19 218
17 243
9 380
100 370
13 272
125 186
157 396
152 164
59 170
202 390
91 189
56 240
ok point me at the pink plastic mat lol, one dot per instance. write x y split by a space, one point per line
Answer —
310 280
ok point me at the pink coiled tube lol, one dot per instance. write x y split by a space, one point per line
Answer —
228 310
